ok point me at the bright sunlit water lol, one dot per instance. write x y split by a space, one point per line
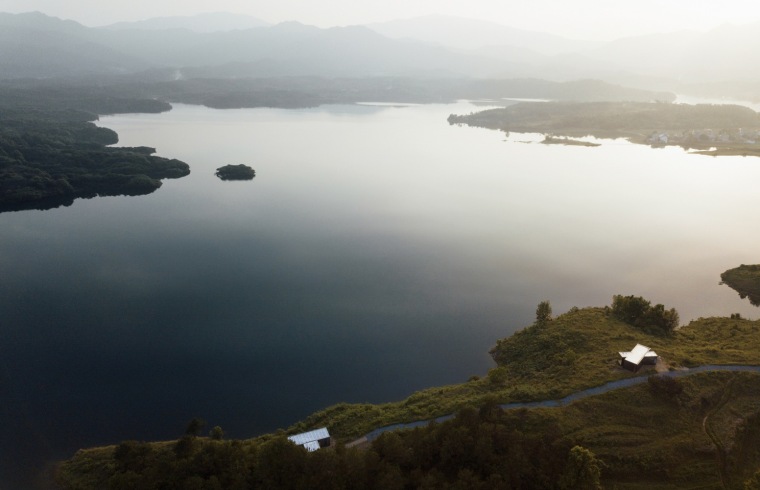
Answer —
378 251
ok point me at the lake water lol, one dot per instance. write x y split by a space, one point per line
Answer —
378 251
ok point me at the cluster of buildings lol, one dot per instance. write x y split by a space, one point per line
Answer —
702 136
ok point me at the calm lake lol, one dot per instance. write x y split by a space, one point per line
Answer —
378 251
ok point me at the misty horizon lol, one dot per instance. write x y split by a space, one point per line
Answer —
586 20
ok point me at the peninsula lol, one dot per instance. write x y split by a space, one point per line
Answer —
699 428
745 280
51 152
705 128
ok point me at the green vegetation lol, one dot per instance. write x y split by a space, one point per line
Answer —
52 153
667 433
702 434
745 280
235 172
552 140
153 91
543 312
640 313
710 129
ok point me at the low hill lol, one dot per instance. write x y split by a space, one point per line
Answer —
709 129
665 433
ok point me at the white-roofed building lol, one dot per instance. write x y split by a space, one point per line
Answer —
640 355
312 440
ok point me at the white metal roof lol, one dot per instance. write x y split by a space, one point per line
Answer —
651 353
311 446
637 354
312 436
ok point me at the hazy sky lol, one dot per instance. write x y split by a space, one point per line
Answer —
580 19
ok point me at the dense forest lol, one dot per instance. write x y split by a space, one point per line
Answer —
485 448
51 152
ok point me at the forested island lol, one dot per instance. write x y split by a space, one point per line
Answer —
51 152
708 129
667 432
745 280
235 172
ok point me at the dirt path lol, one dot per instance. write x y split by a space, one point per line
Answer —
612 385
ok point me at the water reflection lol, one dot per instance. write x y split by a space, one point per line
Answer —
378 251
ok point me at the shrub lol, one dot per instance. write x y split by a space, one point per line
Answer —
640 313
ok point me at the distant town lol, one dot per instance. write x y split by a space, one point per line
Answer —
699 137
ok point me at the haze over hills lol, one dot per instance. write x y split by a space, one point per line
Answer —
229 46
469 34
726 53
35 45
288 48
208 22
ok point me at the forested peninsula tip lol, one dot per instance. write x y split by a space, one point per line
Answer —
51 152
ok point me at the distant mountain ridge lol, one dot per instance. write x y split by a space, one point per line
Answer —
469 34
39 46
202 23
288 48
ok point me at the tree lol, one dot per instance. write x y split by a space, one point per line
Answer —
629 309
640 313
582 470
195 426
216 433
543 312
280 464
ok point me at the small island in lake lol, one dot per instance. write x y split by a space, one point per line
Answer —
745 280
552 140
235 172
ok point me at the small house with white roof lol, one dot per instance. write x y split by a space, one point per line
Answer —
639 356
312 440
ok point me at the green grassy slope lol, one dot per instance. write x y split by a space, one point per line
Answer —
697 432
